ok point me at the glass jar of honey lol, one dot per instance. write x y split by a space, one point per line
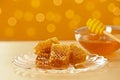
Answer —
98 44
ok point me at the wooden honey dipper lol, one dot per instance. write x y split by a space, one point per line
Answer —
98 27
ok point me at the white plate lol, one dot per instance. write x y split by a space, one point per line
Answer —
25 65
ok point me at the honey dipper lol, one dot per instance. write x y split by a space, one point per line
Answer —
98 27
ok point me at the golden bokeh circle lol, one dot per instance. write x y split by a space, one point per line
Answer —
18 14
31 32
111 7
116 11
51 28
79 1
12 21
28 16
118 0
35 3
50 16
90 6
40 17
57 18
9 32
57 2
74 23
69 14
0 11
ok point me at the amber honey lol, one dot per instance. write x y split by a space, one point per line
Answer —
98 44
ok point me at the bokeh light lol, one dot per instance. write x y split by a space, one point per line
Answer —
9 32
40 17
79 1
118 0
35 3
50 16
57 18
111 7
18 14
0 11
57 2
116 11
69 13
74 23
51 28
90 6
12 21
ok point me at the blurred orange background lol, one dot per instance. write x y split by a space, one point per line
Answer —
41 19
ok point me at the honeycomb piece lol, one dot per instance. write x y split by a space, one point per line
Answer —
42 61
45 46
77 54
59 58
44 55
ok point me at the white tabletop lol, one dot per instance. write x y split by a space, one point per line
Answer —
8 50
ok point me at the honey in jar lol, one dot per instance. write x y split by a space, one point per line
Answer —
99 44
